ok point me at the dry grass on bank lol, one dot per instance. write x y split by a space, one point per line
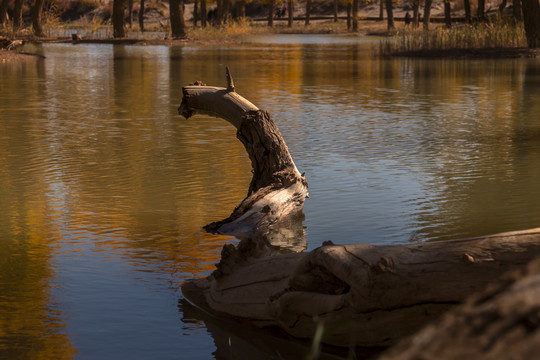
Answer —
498 34
242 29
234 31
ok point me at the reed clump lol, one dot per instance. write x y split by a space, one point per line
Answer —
232 30
237 30
484 35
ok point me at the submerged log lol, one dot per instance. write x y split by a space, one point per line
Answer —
363 295
277 191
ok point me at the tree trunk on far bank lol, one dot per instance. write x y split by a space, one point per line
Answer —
427 14
290 13
3 12
349 16
226 11
17 15
416 5
516 9
381 10
36 18
196 14
467 6
308 12
141 16
355 15
178 28
390 15
481 10
130 13
219 13
502 6
203 13
118 19
447 17
271 6
335 10
531 22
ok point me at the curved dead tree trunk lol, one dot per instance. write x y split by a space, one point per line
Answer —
362 295
277 190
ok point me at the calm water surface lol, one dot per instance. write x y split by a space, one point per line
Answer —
104 188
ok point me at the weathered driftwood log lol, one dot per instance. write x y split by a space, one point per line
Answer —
277 190
362 294
502 322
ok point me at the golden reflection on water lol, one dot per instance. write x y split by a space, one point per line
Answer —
100 156
94 159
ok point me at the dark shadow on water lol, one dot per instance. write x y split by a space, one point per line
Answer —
237 340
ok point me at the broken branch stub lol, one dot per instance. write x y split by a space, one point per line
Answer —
277 190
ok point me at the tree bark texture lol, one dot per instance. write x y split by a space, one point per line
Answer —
271 10
196 13
308 12
355 15
203 13
130 13
36 18
226 10
447 16
349 16
390 15
481 10
290 13
176 10
241 8
502 322
467 6
119 30
17 15
416 5
219 15
427 14
3 12
277 190
361 295
531 22
502 6
141 16
516 10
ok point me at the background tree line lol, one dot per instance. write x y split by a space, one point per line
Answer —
526 11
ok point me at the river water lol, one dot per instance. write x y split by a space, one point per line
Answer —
104 188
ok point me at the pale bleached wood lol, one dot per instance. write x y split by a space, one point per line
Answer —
277 191
363 294
214 101
501 322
